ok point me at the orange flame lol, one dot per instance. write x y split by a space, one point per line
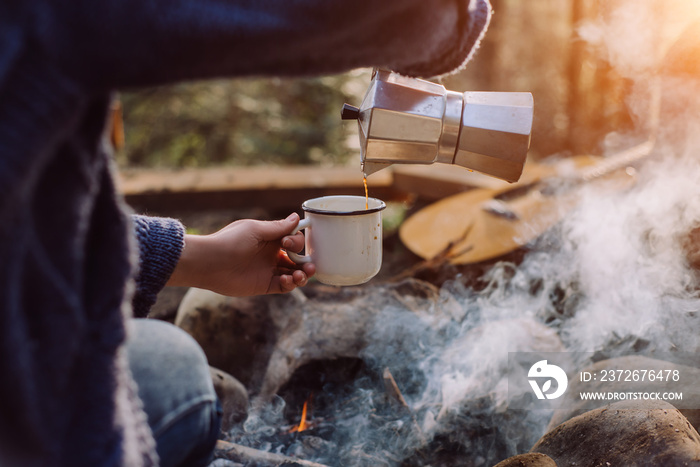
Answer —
303 425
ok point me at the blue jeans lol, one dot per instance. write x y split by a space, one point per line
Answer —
178 395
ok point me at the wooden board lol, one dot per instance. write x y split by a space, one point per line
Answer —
437 181
484 224
244 178
280 187
235 187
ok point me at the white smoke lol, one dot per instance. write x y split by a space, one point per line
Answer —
625 250
633 35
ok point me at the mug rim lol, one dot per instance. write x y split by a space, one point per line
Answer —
357 212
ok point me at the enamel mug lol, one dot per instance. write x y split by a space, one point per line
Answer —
343 238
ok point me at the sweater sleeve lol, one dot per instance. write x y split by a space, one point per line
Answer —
121 43
160 242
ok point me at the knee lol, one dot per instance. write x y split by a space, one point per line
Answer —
158 348
175 385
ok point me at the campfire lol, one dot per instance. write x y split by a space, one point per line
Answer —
414 373
416 370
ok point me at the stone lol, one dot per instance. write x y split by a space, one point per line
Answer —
688 384
237 334
531 459
167 303
624 434
232 396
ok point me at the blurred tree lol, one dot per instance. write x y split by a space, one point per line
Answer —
242 122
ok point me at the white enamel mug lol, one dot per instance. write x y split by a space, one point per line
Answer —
343 238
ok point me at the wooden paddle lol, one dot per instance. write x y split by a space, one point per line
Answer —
484 224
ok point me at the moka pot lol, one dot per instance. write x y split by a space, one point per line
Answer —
406 120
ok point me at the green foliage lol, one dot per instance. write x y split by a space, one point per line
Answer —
392 217
241 122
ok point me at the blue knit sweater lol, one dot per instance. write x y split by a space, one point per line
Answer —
69 259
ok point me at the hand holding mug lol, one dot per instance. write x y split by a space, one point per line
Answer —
343 238
244 258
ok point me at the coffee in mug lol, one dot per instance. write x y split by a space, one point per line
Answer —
343 238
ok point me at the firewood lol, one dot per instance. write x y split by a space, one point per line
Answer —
237 453
392 389
394 392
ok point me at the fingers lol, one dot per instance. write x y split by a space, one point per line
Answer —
294 242
287 282
289 275
298 278
286 265
309 269
274 230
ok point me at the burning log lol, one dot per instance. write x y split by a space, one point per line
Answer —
246 455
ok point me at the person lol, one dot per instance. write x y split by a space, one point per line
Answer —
82 383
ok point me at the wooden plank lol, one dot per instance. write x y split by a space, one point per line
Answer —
284 188
233 187
438 181
244 178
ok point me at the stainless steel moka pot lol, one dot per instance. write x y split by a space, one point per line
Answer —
406 120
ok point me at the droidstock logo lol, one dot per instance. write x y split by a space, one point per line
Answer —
542 371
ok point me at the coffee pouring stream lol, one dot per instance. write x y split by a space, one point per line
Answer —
406 120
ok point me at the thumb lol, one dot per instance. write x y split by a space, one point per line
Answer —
275 230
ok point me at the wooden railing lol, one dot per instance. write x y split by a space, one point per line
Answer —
286 188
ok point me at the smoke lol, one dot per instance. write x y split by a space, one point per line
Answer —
633 35
626 254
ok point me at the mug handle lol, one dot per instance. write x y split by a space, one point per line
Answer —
296 257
